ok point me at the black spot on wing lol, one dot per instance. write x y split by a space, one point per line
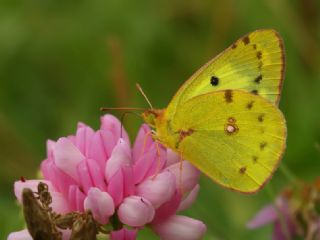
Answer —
214 81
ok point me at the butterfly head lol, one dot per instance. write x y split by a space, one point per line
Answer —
150 116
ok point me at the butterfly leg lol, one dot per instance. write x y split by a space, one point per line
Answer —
145 142
158 150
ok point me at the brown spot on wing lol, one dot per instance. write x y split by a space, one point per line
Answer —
234 46
246 40
183 134
255 92
254 158
261 117
242 170
263 145
258 79
250 104
259 54
231 120
228 95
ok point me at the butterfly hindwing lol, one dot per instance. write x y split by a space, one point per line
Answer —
234 137
254 63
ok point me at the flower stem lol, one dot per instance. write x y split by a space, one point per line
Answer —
115 222
287 173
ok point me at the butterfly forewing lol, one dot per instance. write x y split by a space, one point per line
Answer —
234 137
254 63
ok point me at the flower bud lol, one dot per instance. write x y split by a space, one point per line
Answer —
180 227
100 203
136 211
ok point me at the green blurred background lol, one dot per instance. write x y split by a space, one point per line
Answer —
62 60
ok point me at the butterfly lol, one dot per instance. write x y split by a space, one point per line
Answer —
225 118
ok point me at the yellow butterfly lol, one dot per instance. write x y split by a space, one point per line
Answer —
225 120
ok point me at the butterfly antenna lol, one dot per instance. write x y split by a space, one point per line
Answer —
143 94
121 108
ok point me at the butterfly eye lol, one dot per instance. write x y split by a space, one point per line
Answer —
214 81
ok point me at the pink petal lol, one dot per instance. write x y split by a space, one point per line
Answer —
135 211
76 198
50 147
265 216
100 203
120 157
83 138
158 190
116 187
143 164
79 200
172 157
111 123
142 143
21 235
159 161
151 163
190 198
84 176
124 234
278 233
72 139
59 179
32 184
59 203
187 176
96 174
128 179
81 125
97 150
168 208
66 234
72 197
180 227
67 157
109 141
25 235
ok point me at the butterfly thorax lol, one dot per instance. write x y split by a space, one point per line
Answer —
164 131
